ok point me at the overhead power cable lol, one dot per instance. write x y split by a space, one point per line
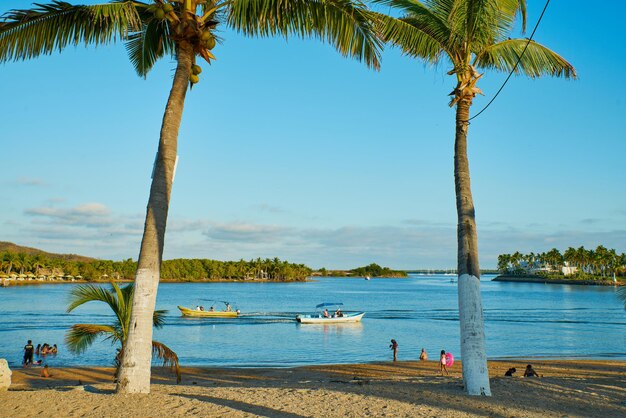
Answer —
516 64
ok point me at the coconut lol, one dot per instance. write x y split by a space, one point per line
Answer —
159 14
209 43
194 78
196 69
206 35
168 8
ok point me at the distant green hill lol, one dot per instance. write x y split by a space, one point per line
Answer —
10 247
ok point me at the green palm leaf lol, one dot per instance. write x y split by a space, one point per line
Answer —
158 318
483 22
343 23
147 46
81 336
425 41
89 293
51 27
536 61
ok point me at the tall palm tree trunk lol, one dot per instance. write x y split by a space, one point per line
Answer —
473 351
134 376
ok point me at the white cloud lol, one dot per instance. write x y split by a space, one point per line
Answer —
241 231
88 215
94 230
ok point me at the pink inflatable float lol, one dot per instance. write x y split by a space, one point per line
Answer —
449 359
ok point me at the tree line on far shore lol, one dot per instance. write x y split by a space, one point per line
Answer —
576 262
372 270
41 265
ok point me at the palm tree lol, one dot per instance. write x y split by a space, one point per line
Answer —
185 30
471 35
81 336
555 259
503 263
8 259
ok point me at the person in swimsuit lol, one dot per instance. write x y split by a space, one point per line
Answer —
530 372
394 346
423 355
442 363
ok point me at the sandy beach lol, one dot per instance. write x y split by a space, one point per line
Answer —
572 388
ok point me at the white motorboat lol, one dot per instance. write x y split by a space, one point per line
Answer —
324 317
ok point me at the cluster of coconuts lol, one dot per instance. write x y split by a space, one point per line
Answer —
195 72
207 40
162 10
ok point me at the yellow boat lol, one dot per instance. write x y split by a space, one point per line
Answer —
208 314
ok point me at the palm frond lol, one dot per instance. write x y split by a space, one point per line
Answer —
484 22
90 293
408 35
169 357
81 336
51 27
343 23
124 302
158 318
147 46
536 61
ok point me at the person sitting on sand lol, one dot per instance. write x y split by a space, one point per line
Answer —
510 372
530 372
442 363
423 355
45 372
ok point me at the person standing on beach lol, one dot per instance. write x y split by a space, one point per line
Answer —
442 363
29 350
394 346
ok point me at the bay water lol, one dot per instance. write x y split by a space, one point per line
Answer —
521 319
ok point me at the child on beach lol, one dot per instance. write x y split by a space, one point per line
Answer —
423 355
442 363
394 346
510 372
530 372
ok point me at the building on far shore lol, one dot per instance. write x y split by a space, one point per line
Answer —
568 270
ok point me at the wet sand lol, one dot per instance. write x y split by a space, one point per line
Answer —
572 388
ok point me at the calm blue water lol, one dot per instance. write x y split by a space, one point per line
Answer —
522 320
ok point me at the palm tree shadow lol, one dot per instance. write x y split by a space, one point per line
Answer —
242 406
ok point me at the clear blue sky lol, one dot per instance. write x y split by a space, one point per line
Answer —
289 150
